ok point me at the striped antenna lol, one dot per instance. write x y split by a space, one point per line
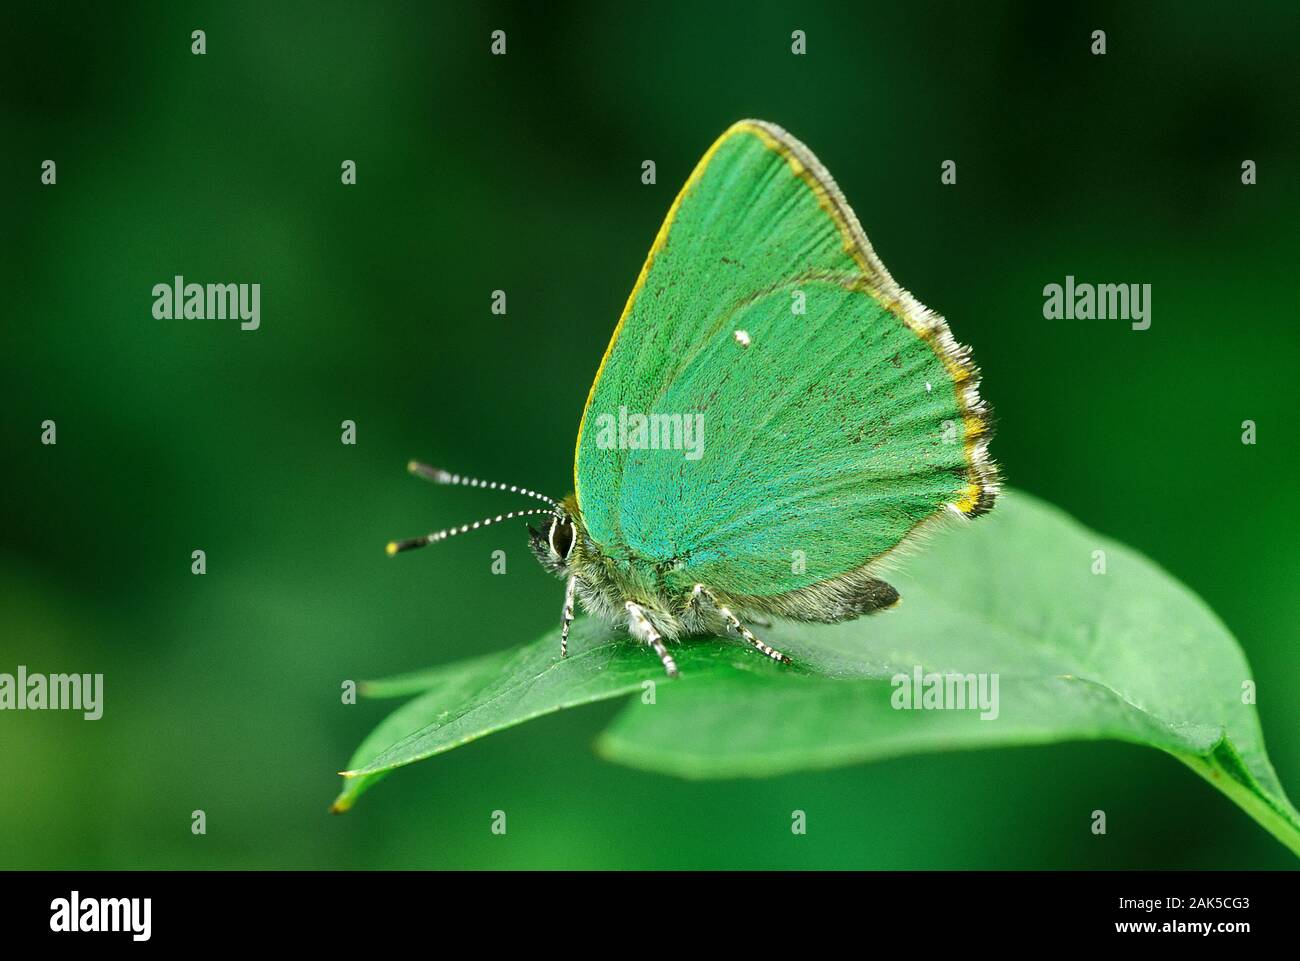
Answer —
437 475
411 543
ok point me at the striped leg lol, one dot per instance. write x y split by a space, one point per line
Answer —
702 593
566 617
640 627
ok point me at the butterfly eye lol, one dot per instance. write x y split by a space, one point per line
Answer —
561 536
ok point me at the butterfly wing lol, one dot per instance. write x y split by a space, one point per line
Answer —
837 413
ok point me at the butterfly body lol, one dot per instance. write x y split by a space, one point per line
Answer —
774 418
605 581
666 588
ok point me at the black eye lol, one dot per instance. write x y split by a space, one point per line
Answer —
561 537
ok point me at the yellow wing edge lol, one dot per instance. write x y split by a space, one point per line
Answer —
983 483
661 238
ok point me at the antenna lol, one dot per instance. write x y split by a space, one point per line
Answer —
436 475
411 543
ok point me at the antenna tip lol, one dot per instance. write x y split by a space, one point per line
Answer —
390 548
434 474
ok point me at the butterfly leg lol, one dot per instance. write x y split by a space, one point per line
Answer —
566 616
703 593
640 627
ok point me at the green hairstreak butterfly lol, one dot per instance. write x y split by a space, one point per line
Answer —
774 416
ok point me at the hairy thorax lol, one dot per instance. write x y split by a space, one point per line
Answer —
605 582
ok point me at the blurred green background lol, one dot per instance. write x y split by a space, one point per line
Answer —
523 173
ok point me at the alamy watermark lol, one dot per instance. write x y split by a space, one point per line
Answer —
919 691
53 692
75 915
1071 301
632 431
179 300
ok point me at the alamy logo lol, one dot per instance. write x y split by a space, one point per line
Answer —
684 432
1073 301
53 692
179 300
946 692
100 915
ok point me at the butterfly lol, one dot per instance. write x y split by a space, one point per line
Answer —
774 418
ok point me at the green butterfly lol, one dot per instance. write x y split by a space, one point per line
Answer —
774 417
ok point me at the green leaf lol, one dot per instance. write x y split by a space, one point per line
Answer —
466 700
1128 654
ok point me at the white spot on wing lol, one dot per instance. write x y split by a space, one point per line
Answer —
742 338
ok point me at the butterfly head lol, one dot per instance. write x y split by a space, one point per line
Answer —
554 543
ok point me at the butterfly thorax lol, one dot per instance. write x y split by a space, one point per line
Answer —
607 578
